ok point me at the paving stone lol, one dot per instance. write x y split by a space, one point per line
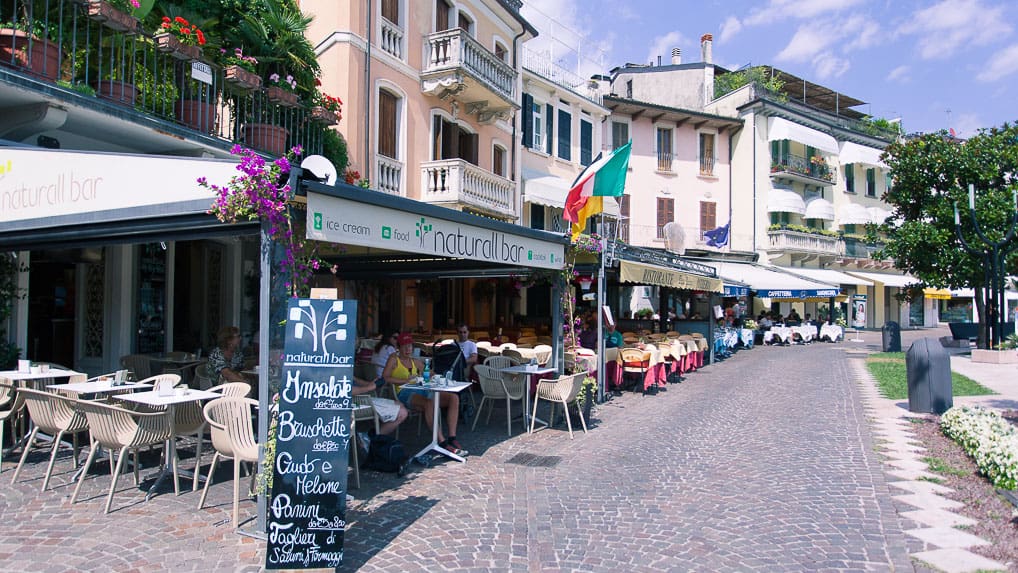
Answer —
946 537
938 518
928 501
955 560
921 486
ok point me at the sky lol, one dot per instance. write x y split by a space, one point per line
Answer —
936 64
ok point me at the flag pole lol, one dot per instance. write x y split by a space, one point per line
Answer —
600 305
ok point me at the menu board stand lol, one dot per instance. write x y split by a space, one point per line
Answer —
307 510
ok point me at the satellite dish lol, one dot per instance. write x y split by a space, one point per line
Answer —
321 168
675 238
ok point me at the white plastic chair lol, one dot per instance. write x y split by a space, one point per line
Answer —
233 437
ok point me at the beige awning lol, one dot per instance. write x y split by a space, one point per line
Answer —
817 208
780 200
645 274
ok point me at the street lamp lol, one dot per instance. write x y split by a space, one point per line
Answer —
993 255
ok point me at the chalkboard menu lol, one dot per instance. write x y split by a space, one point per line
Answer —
307 511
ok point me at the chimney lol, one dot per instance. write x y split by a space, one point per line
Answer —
706 41
659 61
676 56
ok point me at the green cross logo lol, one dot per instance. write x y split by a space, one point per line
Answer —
530 255
318 221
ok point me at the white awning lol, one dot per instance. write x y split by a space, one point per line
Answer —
771 282
895 281
828 276
853 214
785 201
544 189
878 215
783 129
817 208
855 153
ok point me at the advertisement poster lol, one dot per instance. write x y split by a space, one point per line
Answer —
859 310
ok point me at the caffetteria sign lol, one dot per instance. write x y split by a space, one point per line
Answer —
338 220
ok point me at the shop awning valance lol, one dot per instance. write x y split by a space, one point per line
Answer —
647 274
817 208
894 281
853 214
855 153
828 276
780 128
771 282
937 293
780 200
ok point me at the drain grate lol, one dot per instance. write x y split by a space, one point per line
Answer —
534 461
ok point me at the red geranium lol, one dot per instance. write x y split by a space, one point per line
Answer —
186 32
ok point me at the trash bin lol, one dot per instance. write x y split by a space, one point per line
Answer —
928 372
891 336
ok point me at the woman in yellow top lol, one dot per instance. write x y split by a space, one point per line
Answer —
402 367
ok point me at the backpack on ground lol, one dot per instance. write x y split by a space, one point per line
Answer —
385 454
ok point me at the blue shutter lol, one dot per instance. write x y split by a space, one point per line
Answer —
565 130
549 113
586 142
528 120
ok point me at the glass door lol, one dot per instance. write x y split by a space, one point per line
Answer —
151 310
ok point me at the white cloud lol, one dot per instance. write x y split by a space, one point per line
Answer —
810 39
662 46
948 26
778 10
1001 64
729 28
807 42
899 74
967 124
827 65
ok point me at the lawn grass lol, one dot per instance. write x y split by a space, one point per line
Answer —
888 368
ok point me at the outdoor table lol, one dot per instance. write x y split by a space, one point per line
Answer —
182 365
531 385
612 369
453 387
832 332
542 357
96 387
782 333
746 336
170 402
806 331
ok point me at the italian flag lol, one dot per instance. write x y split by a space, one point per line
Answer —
605 177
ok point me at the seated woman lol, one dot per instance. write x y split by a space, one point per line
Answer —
403 367
380 356
390 412
226 360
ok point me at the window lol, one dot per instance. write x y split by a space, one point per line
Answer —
779 154
629 89
501 53
537 110
450 141
707 154
442 12
665 214
623 234
565 132
850 229
498 156
533 123
390 11
620 134
780 219
664 149
586 142
708 217
388 124
888 182
536 216
871 182
850 177
465 23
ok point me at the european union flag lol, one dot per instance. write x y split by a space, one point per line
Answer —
718 237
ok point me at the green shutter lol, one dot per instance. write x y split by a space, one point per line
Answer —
549 113
528 120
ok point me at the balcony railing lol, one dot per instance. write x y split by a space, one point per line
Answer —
452 50
389 177
664 161
813 170
392 39
795 241
458 182
707 165
859 248
87 58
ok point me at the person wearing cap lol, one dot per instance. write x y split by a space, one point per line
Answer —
401 368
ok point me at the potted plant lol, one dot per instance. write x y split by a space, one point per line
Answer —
30 44
117 15
326 109
282 91
239 70
179 38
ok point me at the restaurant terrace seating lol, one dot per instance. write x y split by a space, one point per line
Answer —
139 364
514 356
56 416
12 404
634 362
233 438
562 390
498 362
494 387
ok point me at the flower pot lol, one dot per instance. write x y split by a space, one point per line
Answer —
266 137
116 91
111 17
241 79
279 96
170 44
196 114
321 115
40 57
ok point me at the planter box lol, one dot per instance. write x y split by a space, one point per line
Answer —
116 91
281 97
995 356
170 44
266 137
40 57
326 117
241 79
111 17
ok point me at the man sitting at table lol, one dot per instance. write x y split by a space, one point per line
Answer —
612 337
468 348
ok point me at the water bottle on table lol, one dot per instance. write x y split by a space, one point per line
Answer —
426 375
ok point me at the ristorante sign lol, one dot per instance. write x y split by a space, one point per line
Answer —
349 222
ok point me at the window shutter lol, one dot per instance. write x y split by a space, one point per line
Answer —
871 182
785 148
775 151
498 161
549 112
390 11
528 121
708 216
450 140
565 127
586 142
850 177
468 146
441 16
387 124
665 214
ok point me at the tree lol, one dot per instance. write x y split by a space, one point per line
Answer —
931 174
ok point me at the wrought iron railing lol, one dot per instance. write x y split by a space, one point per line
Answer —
815 167
664 161
706 165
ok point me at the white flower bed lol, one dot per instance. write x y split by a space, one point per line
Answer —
988 438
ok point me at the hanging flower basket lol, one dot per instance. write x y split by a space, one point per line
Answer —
170 44
279 96
324 116
111 16
241 79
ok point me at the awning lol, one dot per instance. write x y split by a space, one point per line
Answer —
817 208
783 129
853 214
937 293
855 153
771 282
544 189
647 274
828 276
780 200
878 215
895 281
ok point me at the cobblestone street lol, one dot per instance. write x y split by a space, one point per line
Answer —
762 462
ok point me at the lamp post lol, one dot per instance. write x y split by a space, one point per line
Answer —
993 255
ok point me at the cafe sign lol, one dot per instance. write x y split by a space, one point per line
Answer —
338 220
644 274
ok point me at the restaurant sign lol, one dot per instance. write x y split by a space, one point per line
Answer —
343 221
736 290
644 274
307 510
799 293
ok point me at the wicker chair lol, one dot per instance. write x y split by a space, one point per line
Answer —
514 356
13 404
232 436
202 377
563 390
55 415
116 428
494 387
498 362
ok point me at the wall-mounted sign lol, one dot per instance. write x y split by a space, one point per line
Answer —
349 222
307 510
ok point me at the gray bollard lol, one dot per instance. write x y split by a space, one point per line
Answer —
928 371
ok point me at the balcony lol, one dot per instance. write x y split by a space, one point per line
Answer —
392 39
459 184
459 68
858 248
814 171
93 80
788 241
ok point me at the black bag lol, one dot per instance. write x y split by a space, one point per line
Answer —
385 454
